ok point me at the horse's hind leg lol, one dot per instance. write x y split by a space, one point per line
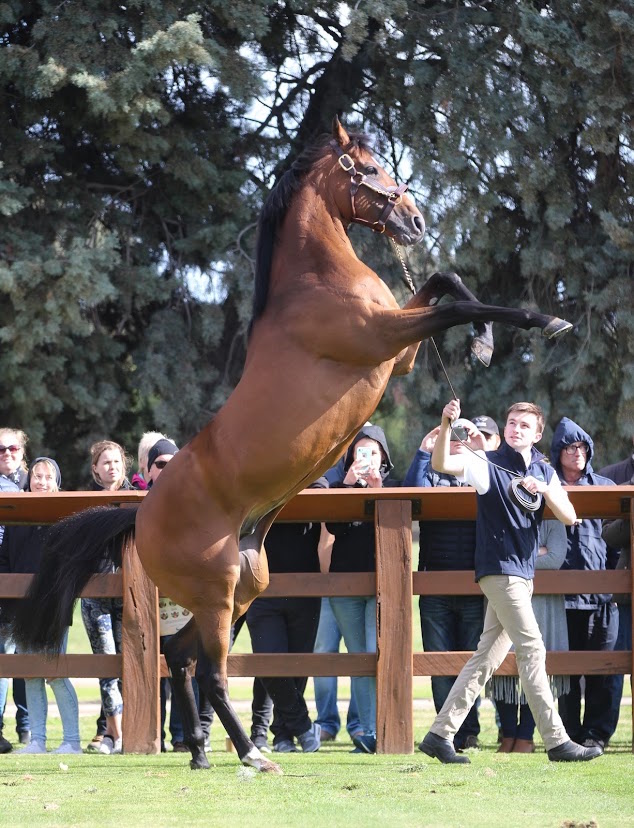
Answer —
180 653
446 283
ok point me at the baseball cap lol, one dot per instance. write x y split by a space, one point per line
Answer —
486 424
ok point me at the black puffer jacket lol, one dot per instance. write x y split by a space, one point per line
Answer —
354 549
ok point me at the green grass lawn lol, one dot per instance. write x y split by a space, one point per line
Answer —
331 788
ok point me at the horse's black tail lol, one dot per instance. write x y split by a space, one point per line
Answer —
75 549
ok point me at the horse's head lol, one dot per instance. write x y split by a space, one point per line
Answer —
366 194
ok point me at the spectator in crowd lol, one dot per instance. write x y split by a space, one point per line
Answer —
148 439
489 430
506 548
13 478
517 722
13 468
103 616
289 625
449 622
172 617
328 640
367 464
616 534
261 704
21 551
592 619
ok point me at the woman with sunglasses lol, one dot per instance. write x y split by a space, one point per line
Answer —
13 470
13 478
103 616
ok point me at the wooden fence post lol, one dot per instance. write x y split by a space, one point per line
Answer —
140 658
394 669
632 603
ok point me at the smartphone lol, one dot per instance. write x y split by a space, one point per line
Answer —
364 453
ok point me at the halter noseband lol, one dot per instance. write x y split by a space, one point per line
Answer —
393 195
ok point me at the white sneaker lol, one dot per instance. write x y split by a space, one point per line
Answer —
110 746
66 747
33 747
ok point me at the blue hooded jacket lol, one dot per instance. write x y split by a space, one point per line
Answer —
586 548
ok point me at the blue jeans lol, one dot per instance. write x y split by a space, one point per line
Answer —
356 618
66 699
327 641
22 724
452 622
615 683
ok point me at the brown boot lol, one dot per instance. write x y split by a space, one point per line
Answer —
523 746
506 745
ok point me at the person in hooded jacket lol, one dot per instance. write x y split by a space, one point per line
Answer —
21 552
592 619
354 550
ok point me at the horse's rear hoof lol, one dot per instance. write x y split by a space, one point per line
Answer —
482 351
556 327
267 766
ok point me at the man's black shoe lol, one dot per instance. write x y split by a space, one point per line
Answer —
442 749
5 744
572 752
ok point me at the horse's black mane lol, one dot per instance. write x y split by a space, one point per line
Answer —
276 206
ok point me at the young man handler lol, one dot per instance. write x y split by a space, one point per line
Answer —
506 548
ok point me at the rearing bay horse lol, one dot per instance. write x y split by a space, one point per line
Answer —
325 338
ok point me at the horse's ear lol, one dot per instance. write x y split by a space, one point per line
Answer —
339 133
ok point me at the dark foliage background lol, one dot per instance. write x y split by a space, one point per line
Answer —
138 143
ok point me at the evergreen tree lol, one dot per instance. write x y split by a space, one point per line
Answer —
139 143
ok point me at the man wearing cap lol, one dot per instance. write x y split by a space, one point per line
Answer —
489 429
449 622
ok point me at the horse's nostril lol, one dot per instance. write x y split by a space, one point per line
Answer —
419 224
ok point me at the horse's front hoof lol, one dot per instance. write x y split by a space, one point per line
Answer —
556 327
482 351
199 763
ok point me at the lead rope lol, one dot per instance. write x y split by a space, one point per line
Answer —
535 500
410 284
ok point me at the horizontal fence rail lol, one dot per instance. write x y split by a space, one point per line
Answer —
394 583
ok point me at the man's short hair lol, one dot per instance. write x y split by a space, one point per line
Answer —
528 408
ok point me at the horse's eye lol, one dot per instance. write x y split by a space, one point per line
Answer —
370 170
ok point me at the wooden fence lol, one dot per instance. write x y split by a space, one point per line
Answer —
394 664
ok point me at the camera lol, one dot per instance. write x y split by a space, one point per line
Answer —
364 453
458 431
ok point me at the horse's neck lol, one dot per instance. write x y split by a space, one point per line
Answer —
313 235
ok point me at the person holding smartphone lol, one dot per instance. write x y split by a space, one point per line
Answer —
367 464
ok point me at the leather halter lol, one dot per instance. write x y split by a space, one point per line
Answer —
393 195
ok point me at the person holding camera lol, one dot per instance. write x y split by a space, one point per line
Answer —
367 464
506 549
450 622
